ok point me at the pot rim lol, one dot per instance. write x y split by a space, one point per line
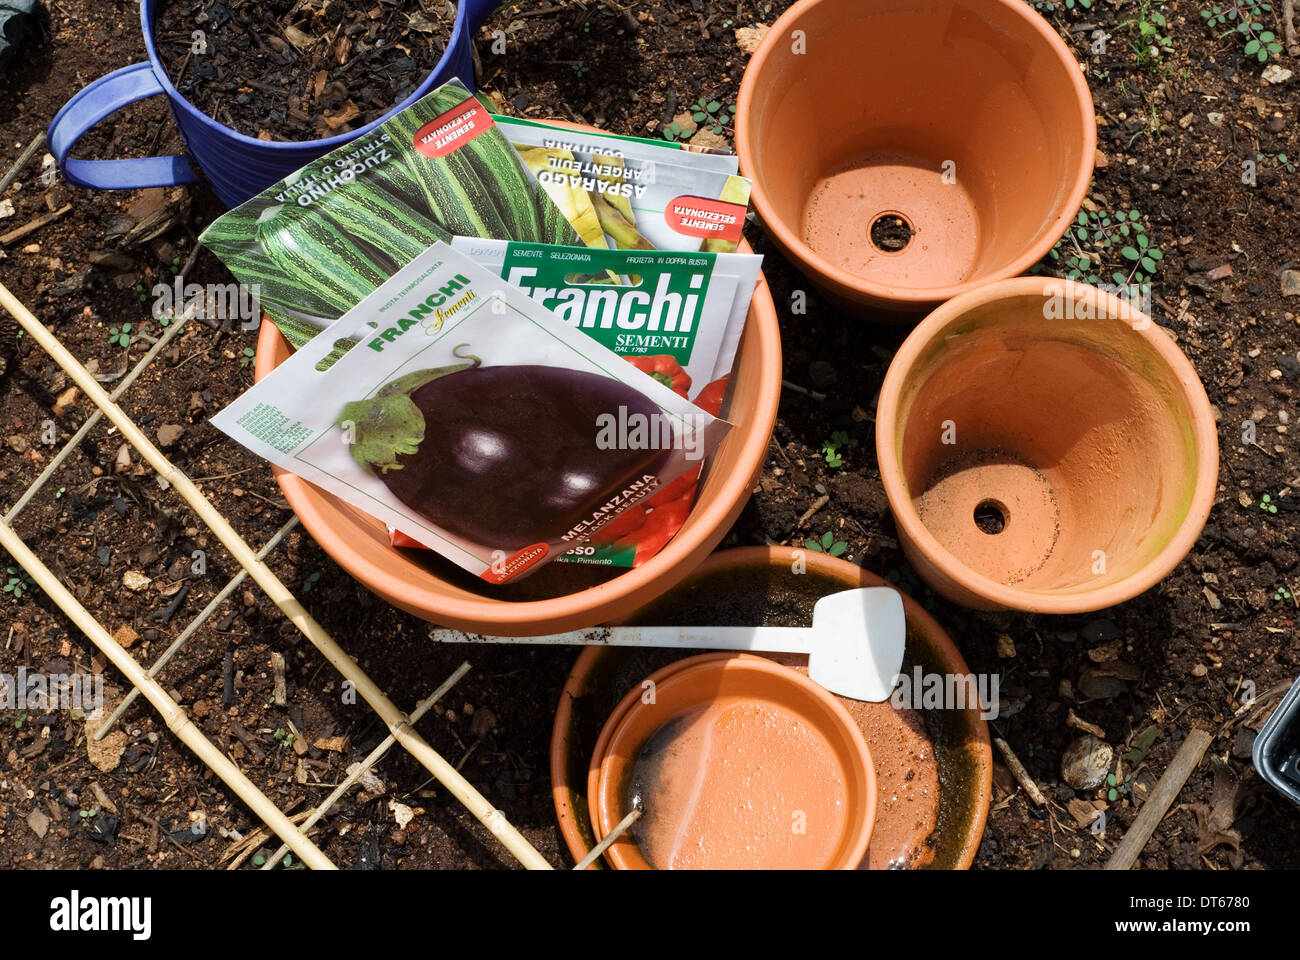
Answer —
597 773
906 298
460 34
532 617
850 575
906 517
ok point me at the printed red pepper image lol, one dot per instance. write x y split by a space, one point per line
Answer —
666 370
710 398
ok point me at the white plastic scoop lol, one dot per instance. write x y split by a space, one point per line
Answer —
854 646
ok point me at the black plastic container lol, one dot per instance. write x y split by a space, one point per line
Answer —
1276 754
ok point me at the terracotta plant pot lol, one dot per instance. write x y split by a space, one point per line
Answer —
839 829
761 578
428 587
1044 447
904 153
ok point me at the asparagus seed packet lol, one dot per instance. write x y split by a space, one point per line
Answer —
632 194
473 419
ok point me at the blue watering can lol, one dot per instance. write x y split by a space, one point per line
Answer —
237 166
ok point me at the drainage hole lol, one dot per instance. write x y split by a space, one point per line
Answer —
891 233
990 516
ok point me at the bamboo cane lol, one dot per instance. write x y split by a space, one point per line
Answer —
397 722
177 720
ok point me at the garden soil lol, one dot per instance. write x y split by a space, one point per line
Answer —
1177 134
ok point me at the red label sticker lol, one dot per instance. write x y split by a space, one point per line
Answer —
511 567
455 128
705 218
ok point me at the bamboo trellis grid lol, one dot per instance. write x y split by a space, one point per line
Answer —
401 726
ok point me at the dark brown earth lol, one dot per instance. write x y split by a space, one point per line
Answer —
299 71
1174 132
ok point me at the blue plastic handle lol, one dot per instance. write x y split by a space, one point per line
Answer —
92 104
478 11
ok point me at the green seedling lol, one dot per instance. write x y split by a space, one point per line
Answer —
19 583
1282 593
19 721
831 448
1245 18
310 582
1102 240
58 494
827 545
1147 38
1267 505
1050 6
247 356
712 114
139 292
1280 159
1116 789
120 337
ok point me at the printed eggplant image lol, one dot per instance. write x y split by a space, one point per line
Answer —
504 456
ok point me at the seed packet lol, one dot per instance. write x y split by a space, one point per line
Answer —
473 419
677 316
633 194
316 243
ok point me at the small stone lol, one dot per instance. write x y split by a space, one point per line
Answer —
105 754
63 403
1216 119
401 813
1288 365
686 123
125 636
1276 73
169 434
709 140
1085 762
1276 123
1291 283
1200 670
122 463
1006 647
6 209
483 723
135 581
748 38
368 780
1220 272
39 822
1101 162
18 443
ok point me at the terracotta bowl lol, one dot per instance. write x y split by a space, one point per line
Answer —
1044 447
696 683
904 153
548 602
762 577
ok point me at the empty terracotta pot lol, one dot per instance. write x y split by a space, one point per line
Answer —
566 596
1044 447
759 584
738 762
904 153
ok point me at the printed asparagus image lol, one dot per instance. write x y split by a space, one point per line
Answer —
467 447
319 241
629 194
